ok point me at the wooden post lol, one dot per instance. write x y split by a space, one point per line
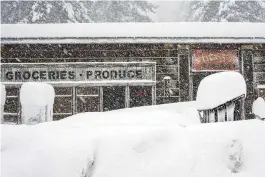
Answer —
246 54
184 72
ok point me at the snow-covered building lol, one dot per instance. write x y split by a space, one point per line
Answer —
106 66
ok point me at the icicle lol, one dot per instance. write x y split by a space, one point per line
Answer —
206 116
230 112
211 117
221 115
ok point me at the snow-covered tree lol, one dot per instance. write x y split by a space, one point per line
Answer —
229 10
75 11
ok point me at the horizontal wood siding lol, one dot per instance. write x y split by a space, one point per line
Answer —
259 66
165 56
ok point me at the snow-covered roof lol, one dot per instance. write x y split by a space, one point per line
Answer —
177 32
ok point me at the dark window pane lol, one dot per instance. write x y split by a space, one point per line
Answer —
11 105
12 91
10 118
87 104
113 98
62 105
59 117
87 90
140 96
63 90
174 92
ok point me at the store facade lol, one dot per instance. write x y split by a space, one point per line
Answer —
93 74
86 86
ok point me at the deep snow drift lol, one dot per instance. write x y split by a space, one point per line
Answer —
143 142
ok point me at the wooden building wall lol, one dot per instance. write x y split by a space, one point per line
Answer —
165 55
172 60
259 66
259 71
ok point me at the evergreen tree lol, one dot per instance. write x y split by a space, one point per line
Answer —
230 11
75 11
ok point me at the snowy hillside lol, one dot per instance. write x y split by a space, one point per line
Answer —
165 140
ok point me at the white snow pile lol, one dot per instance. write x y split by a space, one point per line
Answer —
3 94
181 114
135 30
258 108
134 142
3 100
218 88
36 99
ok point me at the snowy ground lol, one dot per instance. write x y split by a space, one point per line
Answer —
165 140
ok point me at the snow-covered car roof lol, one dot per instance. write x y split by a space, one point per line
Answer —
177 32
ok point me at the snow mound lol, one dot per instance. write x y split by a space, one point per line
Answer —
228 149
258 107
134 30
160 152
218 88
182 114
133 143
32 93
37 102
3 100
187 110
3 94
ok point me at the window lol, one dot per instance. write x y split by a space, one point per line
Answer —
140 96
12 105
87 99
63 102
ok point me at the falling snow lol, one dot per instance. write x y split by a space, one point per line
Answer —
132 88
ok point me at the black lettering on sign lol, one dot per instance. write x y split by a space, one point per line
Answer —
139 74
63 74
18 75
57 75
51 75
9 75
113 74
26 75
97 74
35 75
71 75
122 74
88 74
130 74
43 74
105 74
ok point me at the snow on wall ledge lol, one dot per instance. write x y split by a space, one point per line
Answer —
129 32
